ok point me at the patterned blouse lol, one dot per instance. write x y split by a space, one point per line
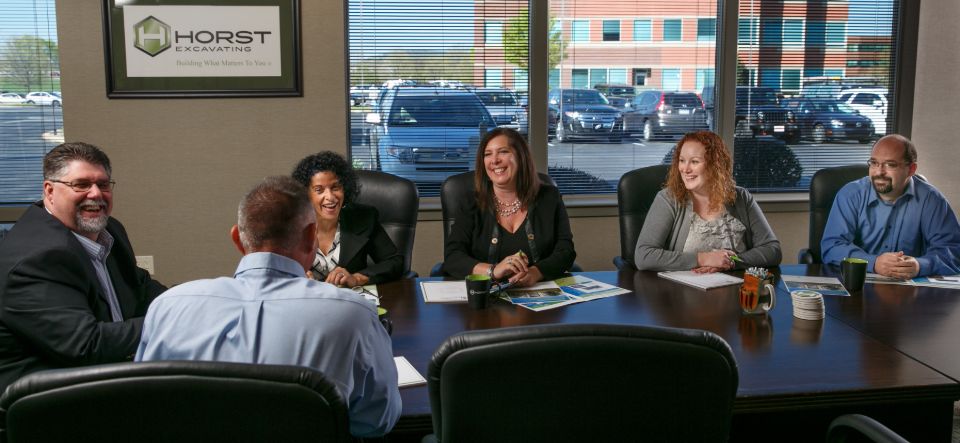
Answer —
724 232
324 263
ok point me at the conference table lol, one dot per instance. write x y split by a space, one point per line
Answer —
888 352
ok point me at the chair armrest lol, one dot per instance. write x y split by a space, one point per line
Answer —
622 263
846 426
804 257
437 270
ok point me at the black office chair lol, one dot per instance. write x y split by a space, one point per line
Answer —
456 195
635 194
823 189
398 203
582 382
174 401
858 428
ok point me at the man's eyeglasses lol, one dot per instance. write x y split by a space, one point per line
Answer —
104 186
367 294
887 165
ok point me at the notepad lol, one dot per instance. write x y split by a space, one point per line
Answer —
444 291
701 281
407 375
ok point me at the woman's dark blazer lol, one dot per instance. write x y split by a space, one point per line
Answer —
469 239
362 236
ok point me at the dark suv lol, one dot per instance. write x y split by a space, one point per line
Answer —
759 113
583 113
663 113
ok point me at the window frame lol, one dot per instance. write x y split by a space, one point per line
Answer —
649 23
663 29
604 33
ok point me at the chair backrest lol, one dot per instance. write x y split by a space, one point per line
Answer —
823 189
582 382
858 428
457 192
398 203
174 401
635 194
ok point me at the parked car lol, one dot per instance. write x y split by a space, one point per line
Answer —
621 103
43 98
707 95
359 94
12 98
504 106
665 113
872 103
758 112
822 119
582 113
426 134
610 90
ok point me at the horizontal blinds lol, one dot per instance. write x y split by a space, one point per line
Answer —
428 78
632 80
814 87
29 70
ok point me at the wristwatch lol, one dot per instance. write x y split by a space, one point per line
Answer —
490 271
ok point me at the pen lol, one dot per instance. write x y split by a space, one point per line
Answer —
735 258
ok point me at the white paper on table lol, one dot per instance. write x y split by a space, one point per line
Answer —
444 291
407 375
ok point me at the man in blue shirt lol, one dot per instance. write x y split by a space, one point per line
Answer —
270 313
902 226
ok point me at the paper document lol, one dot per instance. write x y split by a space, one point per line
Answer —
701 281
561 292
444 291
823 285
934 281
407 375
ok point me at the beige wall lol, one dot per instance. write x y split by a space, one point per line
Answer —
182 165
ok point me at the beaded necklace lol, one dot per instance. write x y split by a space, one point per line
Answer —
507 209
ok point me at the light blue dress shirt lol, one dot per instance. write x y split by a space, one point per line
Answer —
270 313
920 223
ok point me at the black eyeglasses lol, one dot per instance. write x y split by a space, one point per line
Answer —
887 165
367 294
84 186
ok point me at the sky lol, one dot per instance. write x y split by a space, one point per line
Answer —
18 19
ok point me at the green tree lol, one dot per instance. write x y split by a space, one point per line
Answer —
28 61
516 39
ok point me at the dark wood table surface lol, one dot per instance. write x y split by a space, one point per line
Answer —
795 375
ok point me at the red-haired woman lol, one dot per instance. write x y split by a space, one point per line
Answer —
701 220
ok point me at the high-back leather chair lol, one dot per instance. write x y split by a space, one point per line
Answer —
175 401
456 194
582 382
398 203
823 190
635 194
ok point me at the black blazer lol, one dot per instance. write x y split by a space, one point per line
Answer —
469 239
362 236
53 312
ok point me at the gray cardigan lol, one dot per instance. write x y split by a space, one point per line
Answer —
660 243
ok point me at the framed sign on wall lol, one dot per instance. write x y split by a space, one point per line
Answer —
190 48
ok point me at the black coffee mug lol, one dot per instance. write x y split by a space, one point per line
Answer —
478 288
853 272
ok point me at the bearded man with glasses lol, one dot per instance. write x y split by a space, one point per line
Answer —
71 293
900 224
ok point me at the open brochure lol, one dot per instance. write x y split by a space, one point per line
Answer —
935 281
823 285
407 375
561 292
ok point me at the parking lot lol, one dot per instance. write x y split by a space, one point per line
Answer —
22 148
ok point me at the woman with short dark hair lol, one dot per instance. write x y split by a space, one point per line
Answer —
347 233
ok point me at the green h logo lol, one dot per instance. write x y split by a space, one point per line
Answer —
151 36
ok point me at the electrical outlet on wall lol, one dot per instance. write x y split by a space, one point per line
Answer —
145 262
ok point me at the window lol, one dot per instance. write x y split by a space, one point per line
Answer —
670 79
672 30
611 30
642 31
493 33
705 78
807 48
618 76
836 33
425 61
597 77
493 78
793 32
30 101
581 30
581 78
706 29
